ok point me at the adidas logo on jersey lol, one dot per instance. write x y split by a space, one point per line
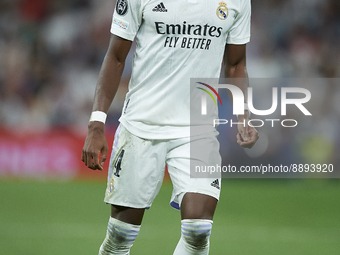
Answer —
216 184
160 8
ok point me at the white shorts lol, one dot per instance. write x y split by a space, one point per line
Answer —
137 168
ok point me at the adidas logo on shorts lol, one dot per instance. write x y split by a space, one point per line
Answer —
160 8
216 184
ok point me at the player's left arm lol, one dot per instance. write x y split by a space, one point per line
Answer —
235 67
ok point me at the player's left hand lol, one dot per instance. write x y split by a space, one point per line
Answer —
246 136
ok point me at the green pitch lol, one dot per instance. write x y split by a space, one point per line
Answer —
253 217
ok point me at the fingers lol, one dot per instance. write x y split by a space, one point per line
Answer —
243 130
246 133
239 139
249 139
84 157
95 163
103 155
91 159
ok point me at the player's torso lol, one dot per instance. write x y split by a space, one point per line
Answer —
177 40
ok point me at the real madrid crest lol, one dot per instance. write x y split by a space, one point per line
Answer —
222 11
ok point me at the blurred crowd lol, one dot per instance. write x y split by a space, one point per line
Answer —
295 38
51 52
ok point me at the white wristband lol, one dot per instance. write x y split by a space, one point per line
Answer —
98 116
245 108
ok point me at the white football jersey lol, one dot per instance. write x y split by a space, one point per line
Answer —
176 40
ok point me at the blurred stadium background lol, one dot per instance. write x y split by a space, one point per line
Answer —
50 55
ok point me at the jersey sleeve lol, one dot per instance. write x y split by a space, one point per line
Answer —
240 31
127 18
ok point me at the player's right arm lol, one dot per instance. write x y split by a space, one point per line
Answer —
109 78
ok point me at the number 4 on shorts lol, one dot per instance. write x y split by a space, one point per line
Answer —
118 163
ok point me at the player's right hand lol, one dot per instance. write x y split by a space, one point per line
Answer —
95 147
